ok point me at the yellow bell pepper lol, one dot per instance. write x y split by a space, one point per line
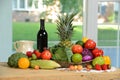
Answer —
107 60
84 39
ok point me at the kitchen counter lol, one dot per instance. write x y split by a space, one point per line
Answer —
7 73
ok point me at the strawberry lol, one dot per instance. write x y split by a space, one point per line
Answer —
29 53
37 53
98 67
104 67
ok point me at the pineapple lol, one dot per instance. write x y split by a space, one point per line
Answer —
65 29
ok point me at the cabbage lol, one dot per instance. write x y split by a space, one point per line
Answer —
13 59
86 54
87 58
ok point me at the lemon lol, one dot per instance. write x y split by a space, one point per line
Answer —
23 63
76 58
84 39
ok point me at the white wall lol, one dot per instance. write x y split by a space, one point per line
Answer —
5 29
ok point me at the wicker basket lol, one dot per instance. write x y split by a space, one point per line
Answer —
67 64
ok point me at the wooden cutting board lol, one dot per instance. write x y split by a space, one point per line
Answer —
7 73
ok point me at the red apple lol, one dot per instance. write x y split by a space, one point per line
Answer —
90 44
97 52
29 53
46 55
37 53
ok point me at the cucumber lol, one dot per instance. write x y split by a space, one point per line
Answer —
44 64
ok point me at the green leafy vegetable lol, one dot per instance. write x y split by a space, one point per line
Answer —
69 53
61 53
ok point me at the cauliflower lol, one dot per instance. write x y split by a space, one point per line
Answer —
13 59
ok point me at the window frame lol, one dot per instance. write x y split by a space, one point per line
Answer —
90 18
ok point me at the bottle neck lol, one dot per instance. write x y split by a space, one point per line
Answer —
42 27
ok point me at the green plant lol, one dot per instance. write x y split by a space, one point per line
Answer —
65 29
111 18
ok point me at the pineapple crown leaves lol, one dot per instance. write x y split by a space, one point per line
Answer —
65 27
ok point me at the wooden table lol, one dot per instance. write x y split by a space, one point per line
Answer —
7 73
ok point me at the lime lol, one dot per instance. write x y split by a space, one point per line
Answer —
76 58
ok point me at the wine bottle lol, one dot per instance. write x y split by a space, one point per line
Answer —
42 37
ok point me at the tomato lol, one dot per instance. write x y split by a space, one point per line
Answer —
46 55
97 52
90 44
77 48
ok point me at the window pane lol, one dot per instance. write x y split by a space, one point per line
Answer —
109 30
108 23
14 4
29 3
22 3
108 12
36 4
26 23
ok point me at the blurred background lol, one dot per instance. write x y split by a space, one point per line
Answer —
26 15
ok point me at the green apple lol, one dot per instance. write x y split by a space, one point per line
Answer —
98 60
76 58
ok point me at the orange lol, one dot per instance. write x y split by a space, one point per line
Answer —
23 63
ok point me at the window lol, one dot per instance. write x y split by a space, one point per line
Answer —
48 10
19 4
91 26
109 43
14 4
27 5
109 29
22 4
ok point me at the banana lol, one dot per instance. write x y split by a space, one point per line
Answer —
44 64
